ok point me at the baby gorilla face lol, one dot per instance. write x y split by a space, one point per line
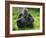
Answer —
26 21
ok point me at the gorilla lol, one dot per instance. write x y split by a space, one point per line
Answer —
25 20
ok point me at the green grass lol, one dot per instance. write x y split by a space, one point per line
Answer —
36 15
35 12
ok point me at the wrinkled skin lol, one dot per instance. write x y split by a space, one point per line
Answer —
26 20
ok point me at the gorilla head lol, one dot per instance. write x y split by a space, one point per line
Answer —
26 21
25 14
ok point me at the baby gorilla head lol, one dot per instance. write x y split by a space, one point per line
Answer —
26 21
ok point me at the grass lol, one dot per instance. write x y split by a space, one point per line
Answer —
36 15
35 12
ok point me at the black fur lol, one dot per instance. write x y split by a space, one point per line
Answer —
26 21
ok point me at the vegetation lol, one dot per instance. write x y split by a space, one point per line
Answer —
35 12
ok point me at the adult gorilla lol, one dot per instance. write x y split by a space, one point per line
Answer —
25 20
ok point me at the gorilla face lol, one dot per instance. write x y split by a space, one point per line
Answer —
25 13
26 21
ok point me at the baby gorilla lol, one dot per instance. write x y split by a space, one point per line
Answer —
25 20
